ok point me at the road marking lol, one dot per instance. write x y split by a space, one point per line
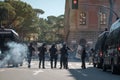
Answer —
72 67
79 71
82 73
32 63
2 70
37 72
69 64
78 64
25 63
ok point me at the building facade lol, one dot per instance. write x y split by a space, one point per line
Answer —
83 25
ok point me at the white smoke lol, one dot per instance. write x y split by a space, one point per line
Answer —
16 53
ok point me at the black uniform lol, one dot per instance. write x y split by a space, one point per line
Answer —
41 55
83 56
64 57
53 56
31 49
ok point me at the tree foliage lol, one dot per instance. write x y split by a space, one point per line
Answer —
25 20
50 28
6 12
19 16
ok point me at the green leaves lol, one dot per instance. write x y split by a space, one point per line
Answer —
5 11
50 28
25 20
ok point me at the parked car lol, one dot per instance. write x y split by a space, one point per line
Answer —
100 48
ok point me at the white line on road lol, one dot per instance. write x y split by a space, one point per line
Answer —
82 73
2 70
37 72
78 64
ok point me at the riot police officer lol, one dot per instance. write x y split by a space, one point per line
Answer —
42 49
53 56
83 56
31 49
64 57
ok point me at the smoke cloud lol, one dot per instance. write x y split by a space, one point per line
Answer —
15 55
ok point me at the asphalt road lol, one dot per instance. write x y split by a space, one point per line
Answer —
73 73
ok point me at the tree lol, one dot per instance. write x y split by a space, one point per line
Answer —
39 11
6 10
50 28
25 19
20 16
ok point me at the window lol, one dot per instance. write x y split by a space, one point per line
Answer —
82 18
103 18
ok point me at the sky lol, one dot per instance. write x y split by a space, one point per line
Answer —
50 7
